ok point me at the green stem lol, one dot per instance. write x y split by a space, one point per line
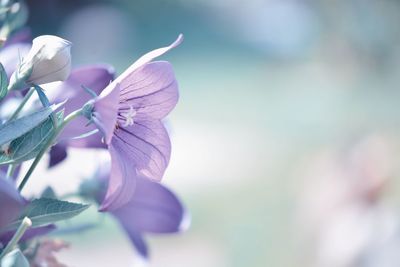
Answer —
10 170
22 104
49 143
25 224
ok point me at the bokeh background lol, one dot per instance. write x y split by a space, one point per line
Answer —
285 139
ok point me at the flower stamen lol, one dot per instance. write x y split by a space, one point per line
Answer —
128 116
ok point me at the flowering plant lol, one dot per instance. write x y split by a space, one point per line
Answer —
87 109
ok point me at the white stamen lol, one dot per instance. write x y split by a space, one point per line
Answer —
129 117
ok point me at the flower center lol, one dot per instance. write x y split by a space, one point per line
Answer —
128 116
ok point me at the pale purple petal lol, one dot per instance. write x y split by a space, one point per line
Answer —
147 58
156 53
153 208
140 145
106 112
152 91
106 118
122 181
137 241
4 169
38 231
95 77
58 153
11 202
147 146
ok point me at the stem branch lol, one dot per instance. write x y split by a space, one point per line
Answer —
25 224
49 143
22 104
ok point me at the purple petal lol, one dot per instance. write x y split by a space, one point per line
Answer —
4 168
122 181
58 153
145 144
146 59
152 91
156 53
29 234
95 77
153 208
11 202
106 111
106 106
137 241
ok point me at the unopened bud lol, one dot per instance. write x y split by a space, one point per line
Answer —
49 60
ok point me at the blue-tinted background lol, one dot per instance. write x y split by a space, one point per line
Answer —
275 97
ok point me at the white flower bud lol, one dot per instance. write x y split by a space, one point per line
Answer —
49 60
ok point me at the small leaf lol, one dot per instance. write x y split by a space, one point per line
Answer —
27 146
14 259
42 96
3 82
45 101
43 211
16 128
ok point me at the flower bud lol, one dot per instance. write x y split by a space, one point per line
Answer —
49 60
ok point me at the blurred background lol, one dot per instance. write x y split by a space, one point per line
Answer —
285 139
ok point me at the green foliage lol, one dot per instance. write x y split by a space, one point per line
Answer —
3 82
31 143
44 211
16 128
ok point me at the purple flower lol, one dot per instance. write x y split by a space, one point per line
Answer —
11 202
95 77
129 113
152 209
11 206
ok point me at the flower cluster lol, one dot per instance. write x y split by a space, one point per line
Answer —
87 108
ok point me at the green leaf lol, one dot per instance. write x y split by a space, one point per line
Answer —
27 146
42 96
3 82
44 211
16 128
14 259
